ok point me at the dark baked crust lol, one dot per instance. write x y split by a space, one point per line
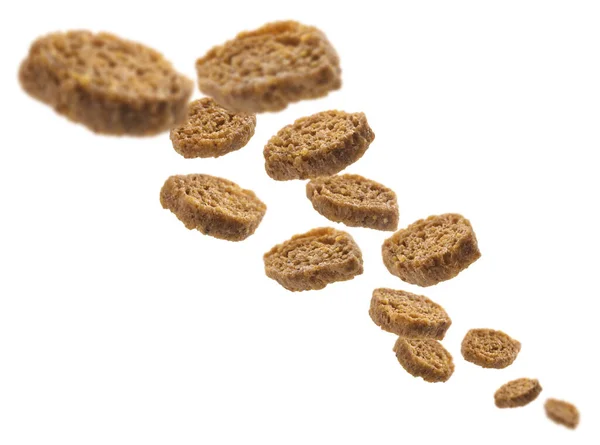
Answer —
110 85
210 130
489 348
425 358
431 250
214 206
408 315
314 259
563 413
355 201
516 393
319 145
270 67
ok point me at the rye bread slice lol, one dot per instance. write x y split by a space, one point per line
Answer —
322 144
431 250
109 84
425 358
314 259
517 393
489 348
408 315
211 131
270 67
563 413
355 201
213 206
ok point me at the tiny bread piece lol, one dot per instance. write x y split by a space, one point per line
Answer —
563 413
408 315
489 348
322 144
517 393
314 259
354 201
270 67
214 206
210 130
431 250
425 358
110 85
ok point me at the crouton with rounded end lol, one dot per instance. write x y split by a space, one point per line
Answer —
431 250
314 259
322 144
425 358
408 315
110 85
563 413
270 67
213 206
210 131
354 201
517 393
489 348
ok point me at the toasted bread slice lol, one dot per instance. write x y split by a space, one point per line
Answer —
270 67
425 358
354 201
408 315
106 83
563 413
214 206
516 393
489 348
210 130
314 259
431 250
319 145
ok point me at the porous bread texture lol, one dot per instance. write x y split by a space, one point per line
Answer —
322 144
110 85
355 201
489 348
313 260
425 358
214 206
563 413
431 250
408 315
210 131
517 393
270 67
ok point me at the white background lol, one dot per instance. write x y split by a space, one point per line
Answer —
119 326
